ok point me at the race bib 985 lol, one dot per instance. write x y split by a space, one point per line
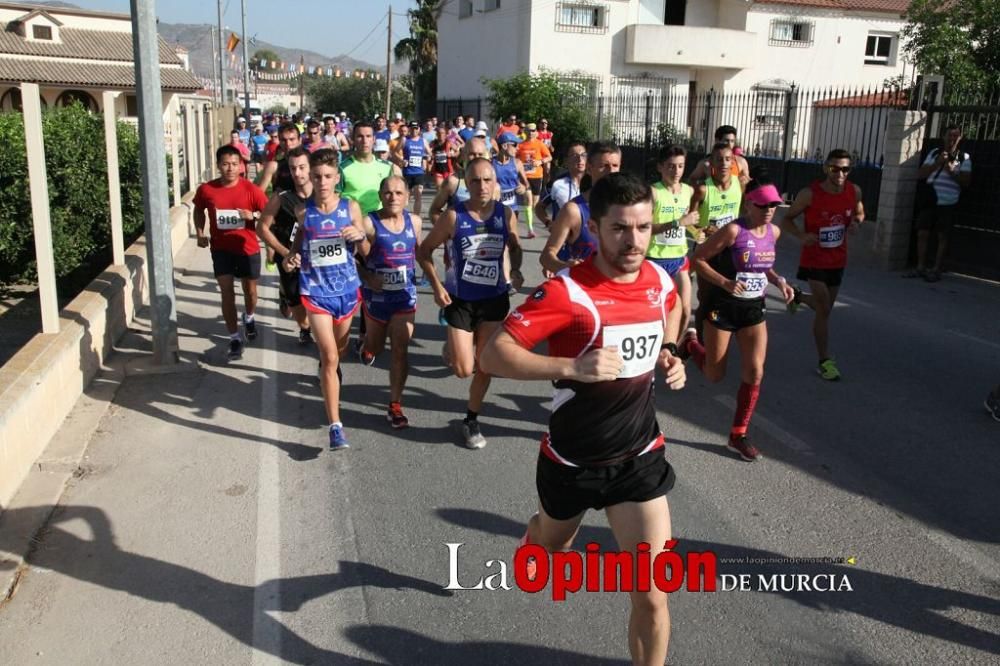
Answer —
327 251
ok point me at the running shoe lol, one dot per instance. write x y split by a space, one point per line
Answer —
250 327
992 404
285 309
422 281
396 416
530 566
441 318
531 234
690 335
743 447
365 356
338 440
473 437
305 336
796 302
511 291
828 370
235 349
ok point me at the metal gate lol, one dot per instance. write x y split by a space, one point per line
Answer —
974 244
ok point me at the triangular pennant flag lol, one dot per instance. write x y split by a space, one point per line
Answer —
233 42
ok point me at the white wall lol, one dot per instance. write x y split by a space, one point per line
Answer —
836 56
123 24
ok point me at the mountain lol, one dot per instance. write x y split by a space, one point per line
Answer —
197 39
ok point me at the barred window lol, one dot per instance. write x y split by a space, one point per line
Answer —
785 32
581 17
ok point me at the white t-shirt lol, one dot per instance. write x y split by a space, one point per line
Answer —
561 192
945 184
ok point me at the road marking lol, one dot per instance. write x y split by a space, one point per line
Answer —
852 301
973 338
267 599
775 431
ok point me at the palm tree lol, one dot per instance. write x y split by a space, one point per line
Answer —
420 49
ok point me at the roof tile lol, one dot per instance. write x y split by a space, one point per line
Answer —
76 43
88 75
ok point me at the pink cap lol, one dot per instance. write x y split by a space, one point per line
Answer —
764 195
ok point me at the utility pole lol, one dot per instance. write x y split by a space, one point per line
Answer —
302 87
215 69
222 56
162 299
246 66
388 67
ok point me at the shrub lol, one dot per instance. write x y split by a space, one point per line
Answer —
76 166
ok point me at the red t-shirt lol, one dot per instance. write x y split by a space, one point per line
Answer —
604 423
235 235
828 216
272 150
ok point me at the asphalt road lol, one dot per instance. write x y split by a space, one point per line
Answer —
208 525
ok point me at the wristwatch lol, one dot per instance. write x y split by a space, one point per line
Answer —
256 215
670 347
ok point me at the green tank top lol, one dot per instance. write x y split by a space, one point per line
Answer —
669 207
720 208
360 181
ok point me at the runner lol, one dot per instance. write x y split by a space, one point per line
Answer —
413 155
566 187
454 190
604 448
474 296
272 145
330 232
362 172
233 205
671 217
832 206
244 133
509 126
735 264
276 173
381 150
381 129
544 133
334 136
277 227
717 201
444 153
314 138
571 240
389 297
738 167
535 157
509 172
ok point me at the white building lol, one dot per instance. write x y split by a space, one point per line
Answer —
671 46
76 55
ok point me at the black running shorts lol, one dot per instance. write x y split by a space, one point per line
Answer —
535 185
731 314
831 277
468 315
566 492
243 266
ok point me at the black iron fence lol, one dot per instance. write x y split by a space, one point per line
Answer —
788 130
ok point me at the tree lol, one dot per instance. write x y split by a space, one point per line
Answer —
420 50
959 40
566 104
263 54
360 98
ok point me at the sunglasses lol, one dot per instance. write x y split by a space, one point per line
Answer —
768 206
839 169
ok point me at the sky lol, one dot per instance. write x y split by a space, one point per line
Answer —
353 19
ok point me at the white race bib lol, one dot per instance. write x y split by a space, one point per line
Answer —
441 157
718 223
754 284
481 272
483 246
673 237
416 161
508 198
226 220
393 279
327 251
638 345
832 236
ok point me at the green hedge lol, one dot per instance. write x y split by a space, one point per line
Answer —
76 165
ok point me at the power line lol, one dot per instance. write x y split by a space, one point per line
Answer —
370 33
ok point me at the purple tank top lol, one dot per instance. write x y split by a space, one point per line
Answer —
748 260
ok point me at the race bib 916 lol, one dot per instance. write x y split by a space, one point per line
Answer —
228 219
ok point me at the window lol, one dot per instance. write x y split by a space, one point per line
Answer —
878 49
41 32
674 12
464 8
490 5
581 17
791 33
769 108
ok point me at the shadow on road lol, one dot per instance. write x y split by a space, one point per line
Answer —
229 606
